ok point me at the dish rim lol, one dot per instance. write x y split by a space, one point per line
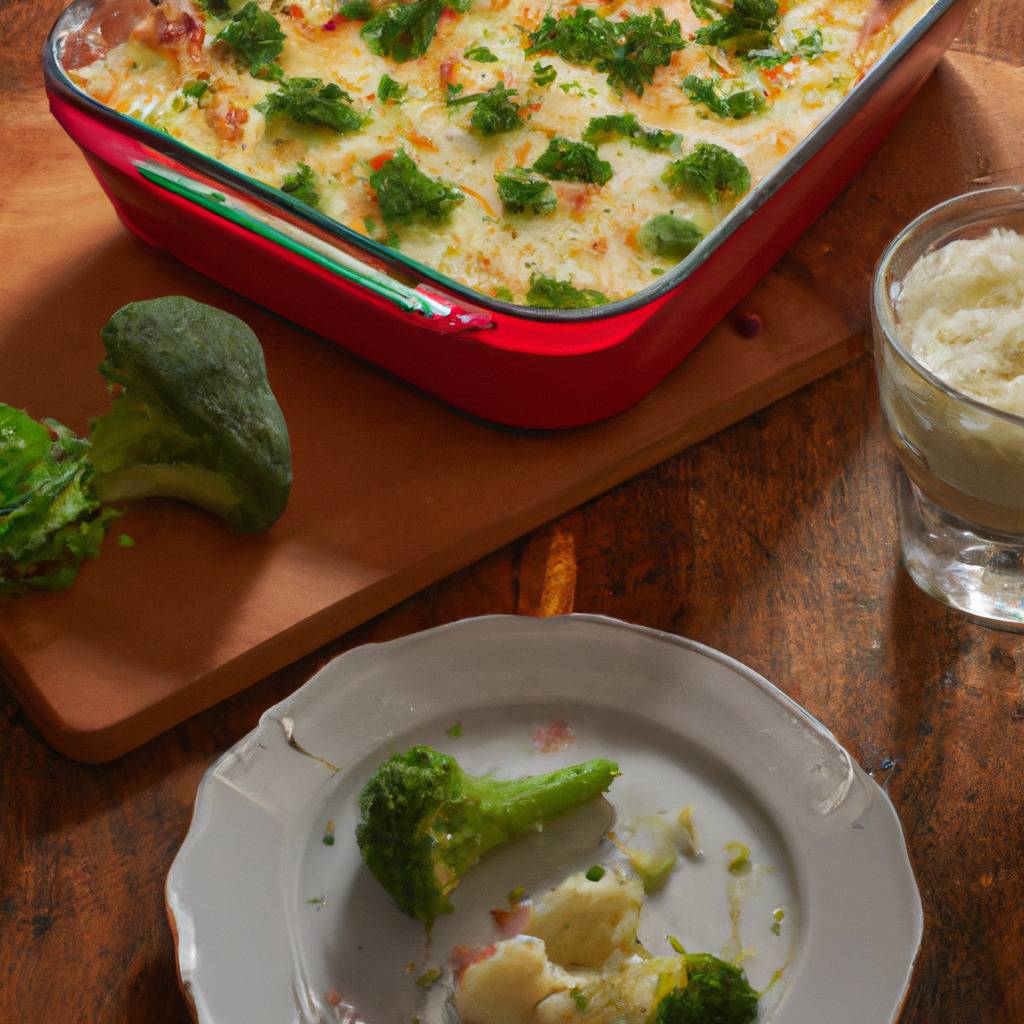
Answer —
57 79
274 717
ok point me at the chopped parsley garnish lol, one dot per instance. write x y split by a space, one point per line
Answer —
356 10
628 51
544 74
549 293
403 31
405 194
493 114
709 171
428 979
810 48
311 101
302 185
504 293
195 90
746 25
579 1000
572 161
596 873
124 540
735 105
255 37
455 731
626 126
481 55
390 91
520 190
670 236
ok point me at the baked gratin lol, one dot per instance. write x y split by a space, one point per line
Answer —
552 154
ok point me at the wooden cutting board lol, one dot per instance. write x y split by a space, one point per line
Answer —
392 490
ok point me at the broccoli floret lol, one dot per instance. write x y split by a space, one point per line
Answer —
425 823
716 992
194 418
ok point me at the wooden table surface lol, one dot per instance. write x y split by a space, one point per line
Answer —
774 542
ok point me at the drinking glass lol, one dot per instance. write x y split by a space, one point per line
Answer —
961 494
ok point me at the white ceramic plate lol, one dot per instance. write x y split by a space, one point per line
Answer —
273 925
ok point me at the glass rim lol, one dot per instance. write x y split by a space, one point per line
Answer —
882 306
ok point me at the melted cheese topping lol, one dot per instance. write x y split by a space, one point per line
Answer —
591 238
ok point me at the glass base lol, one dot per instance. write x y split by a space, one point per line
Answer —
952 560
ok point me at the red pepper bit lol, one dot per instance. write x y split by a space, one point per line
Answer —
329 26
748 325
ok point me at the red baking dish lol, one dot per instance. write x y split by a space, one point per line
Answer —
514 365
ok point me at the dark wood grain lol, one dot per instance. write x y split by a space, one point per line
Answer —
774 541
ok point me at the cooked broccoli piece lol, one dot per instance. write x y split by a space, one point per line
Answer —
193 418
669 236
425 823
716 992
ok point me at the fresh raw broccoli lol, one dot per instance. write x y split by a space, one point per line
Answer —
425 822
194 419
716 992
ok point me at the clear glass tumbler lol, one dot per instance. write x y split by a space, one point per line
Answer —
961 501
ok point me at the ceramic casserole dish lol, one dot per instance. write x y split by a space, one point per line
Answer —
516 365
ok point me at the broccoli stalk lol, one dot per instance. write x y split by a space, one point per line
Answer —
716 992
425 822
194 419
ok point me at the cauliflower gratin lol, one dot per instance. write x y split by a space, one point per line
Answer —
577 960
556 154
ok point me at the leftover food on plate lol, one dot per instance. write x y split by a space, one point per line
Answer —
575 954
424 822
577 960
553 155
193 418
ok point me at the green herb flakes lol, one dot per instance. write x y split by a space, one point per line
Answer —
565 160
302 185
627 50
405 194
735 105
544 74
311 101
626 126
403 31
390 91
709 171
481 55
522 191
550 293
255 37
